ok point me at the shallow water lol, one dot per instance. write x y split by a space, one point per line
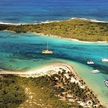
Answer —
21 52
24 49
94 81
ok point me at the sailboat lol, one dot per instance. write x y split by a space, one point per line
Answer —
90 62
47 51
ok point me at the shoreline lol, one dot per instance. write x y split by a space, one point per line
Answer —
59 37
50 21
50 70
69 39
13 28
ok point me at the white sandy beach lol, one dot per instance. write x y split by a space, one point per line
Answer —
70 39
45 70
49 70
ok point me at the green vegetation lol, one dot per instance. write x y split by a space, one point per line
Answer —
11 93
74 29
72 91
54 91
18 92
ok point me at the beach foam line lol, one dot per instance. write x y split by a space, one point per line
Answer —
51 21
88 19
9 23
48 21
42 22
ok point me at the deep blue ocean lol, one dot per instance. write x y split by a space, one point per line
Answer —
33 11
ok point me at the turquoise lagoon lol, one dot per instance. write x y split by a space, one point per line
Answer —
21 52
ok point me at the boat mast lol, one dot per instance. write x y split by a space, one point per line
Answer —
47 45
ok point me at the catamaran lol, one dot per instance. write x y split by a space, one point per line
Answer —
90 62
47 51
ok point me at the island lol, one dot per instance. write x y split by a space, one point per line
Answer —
54 86
83 30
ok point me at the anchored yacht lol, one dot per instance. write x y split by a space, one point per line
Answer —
47 51
90 62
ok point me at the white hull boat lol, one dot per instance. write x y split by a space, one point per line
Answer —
105 60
